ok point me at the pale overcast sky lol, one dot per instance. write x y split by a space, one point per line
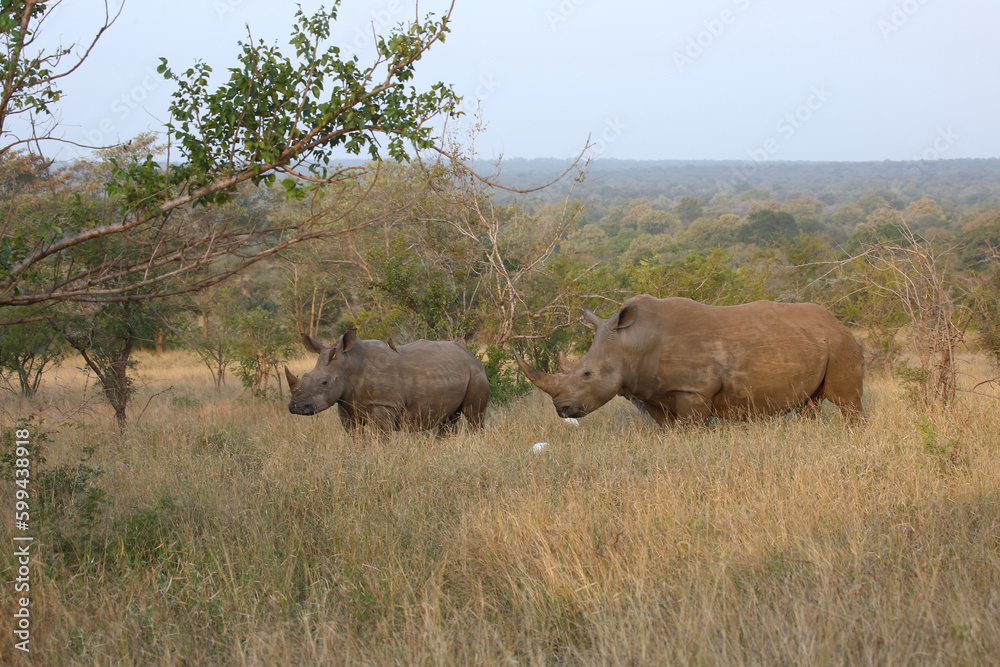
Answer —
724 79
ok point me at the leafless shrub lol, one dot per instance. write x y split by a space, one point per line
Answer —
910 274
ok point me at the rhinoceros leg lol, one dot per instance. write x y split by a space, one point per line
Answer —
661 415
383 418
474 406
850 406
449 426
844 390
812 408
348 417
691 407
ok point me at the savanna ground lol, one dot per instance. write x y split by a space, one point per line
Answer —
223 530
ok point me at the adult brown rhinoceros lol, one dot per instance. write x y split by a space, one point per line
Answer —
422 385
682 360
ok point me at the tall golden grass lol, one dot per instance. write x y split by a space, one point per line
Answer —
235 533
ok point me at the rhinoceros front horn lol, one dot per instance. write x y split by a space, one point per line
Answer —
545 381
293 381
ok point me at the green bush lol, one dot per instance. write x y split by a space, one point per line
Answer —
506 383
261 343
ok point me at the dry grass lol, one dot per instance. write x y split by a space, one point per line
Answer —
238 534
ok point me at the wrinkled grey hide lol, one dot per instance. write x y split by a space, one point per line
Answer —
682 360
413 387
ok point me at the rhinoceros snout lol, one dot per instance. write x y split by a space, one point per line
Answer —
307 409
566 411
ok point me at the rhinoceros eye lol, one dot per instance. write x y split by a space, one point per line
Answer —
586 374
324 382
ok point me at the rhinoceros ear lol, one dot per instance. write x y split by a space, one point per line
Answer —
626 317
343 345
312 344
350 338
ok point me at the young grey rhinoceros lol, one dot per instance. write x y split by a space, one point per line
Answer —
682 360
414 387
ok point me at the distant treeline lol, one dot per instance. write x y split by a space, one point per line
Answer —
964 181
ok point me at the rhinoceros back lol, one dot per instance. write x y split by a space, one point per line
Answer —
757 358
426 384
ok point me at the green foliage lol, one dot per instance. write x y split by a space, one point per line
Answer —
8 455
807 258
213 337
882 228
916 382
106 336
432 299
708 233
621 241
978 248
707 277
261 343
689 208
768 227
277 107
29 76
506 383
183 401
68 503
985 304
26 350
881 318
948 452
286 109
148 537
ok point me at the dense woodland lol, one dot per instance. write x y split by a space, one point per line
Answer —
415 249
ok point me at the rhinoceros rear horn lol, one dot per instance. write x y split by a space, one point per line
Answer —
293 381
545 381
565 365
592 320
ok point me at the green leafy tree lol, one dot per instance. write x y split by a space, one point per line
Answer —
707 233
26 350
506 383
31 73
767 227
808 259
277 114
430 295
689 208
924 214
106 335
978 247
985 304
261 343
711 277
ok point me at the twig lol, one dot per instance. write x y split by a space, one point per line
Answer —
170 388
